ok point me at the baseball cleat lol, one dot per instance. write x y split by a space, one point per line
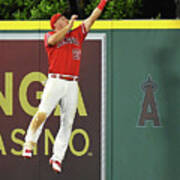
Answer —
56 165
27 153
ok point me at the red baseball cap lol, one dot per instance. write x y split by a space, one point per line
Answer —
54 18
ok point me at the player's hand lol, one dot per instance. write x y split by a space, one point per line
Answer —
71 22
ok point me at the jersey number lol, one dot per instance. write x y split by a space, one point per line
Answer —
76 54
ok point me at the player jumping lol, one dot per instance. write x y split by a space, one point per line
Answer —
63 47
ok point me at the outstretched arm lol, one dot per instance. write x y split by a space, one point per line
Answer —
95 14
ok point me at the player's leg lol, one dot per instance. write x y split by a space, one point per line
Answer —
52 93
68 110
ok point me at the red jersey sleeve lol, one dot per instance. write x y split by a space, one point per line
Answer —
46 36
81 32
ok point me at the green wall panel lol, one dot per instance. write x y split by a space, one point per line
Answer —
145 152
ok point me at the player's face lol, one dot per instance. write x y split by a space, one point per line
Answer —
61 22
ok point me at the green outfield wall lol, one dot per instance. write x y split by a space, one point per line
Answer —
144 151
127 123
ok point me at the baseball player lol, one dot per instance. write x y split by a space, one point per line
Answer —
63 47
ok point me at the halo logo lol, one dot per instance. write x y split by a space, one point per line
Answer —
149 108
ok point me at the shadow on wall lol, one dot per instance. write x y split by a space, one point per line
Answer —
167 61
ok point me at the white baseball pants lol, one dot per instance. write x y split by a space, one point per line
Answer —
67 93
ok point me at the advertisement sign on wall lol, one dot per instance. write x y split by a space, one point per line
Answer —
22 77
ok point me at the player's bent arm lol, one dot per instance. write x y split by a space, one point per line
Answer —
58 36
95 15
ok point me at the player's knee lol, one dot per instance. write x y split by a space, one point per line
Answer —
41 116
38 119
